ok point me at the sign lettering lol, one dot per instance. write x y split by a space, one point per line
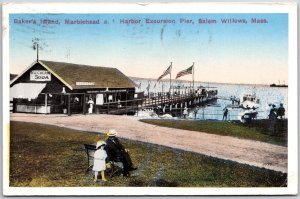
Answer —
40 75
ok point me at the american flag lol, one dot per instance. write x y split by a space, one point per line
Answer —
168 71
148 87
185 72
139 86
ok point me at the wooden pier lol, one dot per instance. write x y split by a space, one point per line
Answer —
160 102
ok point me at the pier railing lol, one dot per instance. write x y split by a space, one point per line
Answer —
162 100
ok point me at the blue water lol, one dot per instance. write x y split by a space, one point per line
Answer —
267 95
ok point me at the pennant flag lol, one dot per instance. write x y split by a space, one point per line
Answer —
148 87
168 71
185 72
154 85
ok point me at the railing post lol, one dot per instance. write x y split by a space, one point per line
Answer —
84 105
46 102
69 104
108 107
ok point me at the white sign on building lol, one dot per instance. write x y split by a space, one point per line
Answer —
40 75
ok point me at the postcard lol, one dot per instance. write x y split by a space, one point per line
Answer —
150 99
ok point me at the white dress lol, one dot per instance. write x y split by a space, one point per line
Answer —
91 103
99 160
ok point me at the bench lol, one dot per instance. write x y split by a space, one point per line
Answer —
112 168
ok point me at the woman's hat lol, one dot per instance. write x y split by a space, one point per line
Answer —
100 143
112 133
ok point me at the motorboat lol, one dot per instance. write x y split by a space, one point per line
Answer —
249 101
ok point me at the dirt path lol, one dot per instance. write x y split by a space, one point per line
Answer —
250 152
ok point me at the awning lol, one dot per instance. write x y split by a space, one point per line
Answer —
26 90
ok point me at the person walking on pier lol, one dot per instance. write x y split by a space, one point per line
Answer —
185 112
225 113
196 111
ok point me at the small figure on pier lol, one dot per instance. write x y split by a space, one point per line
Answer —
185 112
225 113
196 111
232 98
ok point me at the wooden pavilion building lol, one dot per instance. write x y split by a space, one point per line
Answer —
58 87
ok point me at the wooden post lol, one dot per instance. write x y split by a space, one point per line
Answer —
126 100
46 103
14 105
69 104
84 105
137 108
108 106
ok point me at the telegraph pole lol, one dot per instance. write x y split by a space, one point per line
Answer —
37 52
170 80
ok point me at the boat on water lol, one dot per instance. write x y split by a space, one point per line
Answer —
249 101
278 85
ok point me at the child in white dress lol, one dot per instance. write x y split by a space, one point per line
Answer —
99 160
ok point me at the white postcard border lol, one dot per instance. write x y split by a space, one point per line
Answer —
290 8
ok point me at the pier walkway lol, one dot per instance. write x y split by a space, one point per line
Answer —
170 103
183 100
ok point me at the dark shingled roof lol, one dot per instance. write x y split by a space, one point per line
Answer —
12 76
102 76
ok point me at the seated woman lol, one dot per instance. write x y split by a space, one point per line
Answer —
117 153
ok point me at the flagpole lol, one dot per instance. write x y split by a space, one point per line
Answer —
193 76
170 79
148 87
37 52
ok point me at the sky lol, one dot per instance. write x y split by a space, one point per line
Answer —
249 53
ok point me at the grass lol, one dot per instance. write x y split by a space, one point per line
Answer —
49 156
257 130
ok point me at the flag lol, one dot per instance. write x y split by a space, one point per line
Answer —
185 72
154 85
168 71
148 87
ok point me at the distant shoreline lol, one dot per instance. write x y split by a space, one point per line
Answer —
167 80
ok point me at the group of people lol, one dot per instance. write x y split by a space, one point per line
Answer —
111 150
274 114
277 112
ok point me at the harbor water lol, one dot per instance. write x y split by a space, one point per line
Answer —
266 94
